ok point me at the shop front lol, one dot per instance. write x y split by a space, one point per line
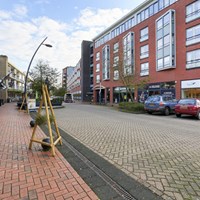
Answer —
190 88
120 94
162 88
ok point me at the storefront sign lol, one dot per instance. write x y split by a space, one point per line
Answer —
31 104
190 84
154 86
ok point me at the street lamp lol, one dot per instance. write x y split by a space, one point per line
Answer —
26 77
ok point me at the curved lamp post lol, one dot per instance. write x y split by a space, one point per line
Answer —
26 77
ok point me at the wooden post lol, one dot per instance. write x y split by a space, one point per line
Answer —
47 102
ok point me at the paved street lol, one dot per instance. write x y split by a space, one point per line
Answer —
162 153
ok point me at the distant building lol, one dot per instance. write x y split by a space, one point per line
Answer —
15 82
86 70
74 83
80 82
66 72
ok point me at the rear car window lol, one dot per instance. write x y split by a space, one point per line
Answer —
187 101
153 98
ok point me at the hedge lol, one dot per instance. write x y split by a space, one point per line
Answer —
134 107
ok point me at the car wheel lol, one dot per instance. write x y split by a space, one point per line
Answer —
198 115
178 115
167 111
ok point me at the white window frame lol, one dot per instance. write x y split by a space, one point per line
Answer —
116 61
163 49
195 14
144 69
97 56
144 34
116 75
128 54
193 59
97 67
195 38
106 62
116 47
97 78
144 51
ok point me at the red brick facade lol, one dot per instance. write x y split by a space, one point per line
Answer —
177 74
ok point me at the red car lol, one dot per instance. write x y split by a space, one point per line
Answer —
190 106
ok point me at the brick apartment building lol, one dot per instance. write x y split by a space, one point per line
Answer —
158 41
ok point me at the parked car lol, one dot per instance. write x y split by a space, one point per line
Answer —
160 103
189 106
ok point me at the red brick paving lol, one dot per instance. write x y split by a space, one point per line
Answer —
33 174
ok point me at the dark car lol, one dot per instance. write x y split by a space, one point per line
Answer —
189 106
160 103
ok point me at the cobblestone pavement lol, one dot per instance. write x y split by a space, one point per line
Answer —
161 152
33 174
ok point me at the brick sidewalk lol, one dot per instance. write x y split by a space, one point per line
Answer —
33 174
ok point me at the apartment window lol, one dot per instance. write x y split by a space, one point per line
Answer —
144 69
116 47
138 18
98 78
144 34
128 52
155 7
116 75
193 35
106 62
193 59
97 56
165 41
193 11
98 67
144 51
116 61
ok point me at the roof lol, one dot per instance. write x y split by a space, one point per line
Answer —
131 13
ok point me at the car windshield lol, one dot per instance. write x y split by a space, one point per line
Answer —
187 102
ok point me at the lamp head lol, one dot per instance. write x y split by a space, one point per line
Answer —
48 45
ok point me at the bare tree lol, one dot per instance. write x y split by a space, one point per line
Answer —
128 77
39 74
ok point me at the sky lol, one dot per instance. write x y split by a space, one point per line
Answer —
26 23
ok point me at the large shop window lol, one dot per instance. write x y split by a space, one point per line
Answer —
190 88
165 41
193 59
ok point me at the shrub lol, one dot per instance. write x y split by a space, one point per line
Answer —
131 107
42 119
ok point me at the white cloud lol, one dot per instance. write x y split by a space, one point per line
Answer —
99 17
20 10
19 39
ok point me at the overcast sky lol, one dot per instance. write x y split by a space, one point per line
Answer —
25 23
